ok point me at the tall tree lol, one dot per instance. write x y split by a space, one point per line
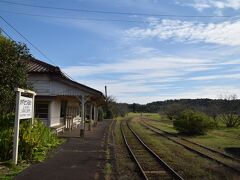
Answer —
113 109
230 110
13 72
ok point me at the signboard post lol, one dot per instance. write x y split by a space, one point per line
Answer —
24 110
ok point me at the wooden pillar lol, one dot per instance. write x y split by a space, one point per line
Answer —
95 115
82 124
90 118
91 109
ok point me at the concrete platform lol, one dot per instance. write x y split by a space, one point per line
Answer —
76 159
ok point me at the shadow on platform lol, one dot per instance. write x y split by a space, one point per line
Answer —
74 133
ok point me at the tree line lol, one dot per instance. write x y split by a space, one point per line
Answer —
227 107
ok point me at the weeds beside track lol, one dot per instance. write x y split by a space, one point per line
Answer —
220 158
150 164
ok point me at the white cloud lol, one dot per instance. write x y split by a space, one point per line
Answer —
225 33
159 66
200 6
159 75
143 50
205 4
214 77
213 92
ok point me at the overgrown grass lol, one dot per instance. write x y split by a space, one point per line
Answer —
188 164
126 167
34 144
155 116
219 139
8 170
108 167
107 171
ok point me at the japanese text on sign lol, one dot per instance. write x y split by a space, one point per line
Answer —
25 108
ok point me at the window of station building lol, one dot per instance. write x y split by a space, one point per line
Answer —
41 109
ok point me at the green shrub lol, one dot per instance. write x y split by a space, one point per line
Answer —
6 136
7 120
231 119
100 114
34 142
6 143
109 114
190 122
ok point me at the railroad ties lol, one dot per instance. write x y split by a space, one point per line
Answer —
205 152
149 163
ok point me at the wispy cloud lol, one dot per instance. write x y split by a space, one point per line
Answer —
159 75
160 66
213 92
139 50
225 33
205 4
215 77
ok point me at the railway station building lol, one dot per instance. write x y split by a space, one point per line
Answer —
61 102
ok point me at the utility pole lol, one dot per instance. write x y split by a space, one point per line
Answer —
106 102
106 91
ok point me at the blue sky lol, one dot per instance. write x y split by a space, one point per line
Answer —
140 58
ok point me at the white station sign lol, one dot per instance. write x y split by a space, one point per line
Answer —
25 108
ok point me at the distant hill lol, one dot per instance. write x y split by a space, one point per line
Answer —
204 105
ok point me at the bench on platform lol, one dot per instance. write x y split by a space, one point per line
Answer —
76 122
58 129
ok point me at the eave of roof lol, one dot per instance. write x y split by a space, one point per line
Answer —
35 66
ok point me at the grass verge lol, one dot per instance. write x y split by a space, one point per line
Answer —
186 163
8 170
126 167
220 139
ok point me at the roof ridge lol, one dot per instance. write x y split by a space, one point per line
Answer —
38 66
45 64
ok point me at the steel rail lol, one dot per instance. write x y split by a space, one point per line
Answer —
166 167
132 154
190 148
202 146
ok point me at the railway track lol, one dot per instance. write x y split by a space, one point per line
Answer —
221 158
205 147
151 166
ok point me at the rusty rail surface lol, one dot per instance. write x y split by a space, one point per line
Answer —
188 145
151 166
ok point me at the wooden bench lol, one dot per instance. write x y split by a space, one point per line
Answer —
76 122
58 129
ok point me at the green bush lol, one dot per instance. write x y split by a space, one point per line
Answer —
13 71
6 135
109 114
231 119
100 114
190 122
34 142
7 120
6 143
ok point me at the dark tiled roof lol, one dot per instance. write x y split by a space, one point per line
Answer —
37 66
